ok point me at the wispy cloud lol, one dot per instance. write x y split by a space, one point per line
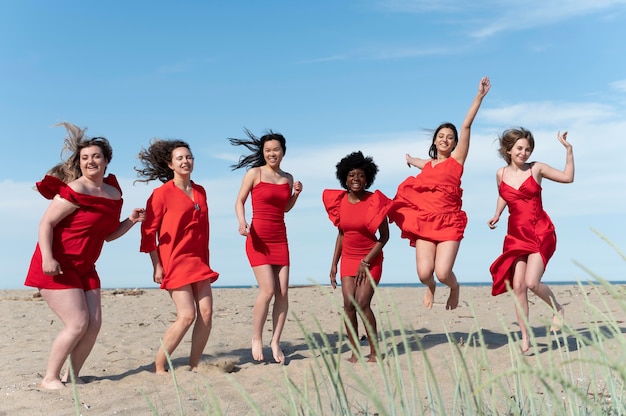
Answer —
619 85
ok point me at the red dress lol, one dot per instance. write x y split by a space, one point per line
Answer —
77 239
359 223
428 206
530 231
178 229
267 240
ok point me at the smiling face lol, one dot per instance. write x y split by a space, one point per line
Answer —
520 152
273 153
356 181
92 162
182 161
445 141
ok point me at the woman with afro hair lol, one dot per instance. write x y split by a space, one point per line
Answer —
359 216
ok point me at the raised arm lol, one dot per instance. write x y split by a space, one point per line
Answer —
567 174
462 147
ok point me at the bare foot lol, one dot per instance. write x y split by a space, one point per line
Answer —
453 299
525 346
373 358
67 379
353 359
257 349
52 384
279 357
160 371
429 297
557 320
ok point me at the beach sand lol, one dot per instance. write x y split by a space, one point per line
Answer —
120 381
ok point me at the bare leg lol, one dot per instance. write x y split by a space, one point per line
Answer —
444 262
204 316
83 348
279 312
265 278
364 294
185 315
425 260
348 289
71 307
534 272
520 291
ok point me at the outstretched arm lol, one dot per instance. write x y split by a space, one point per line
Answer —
567 174
462 147
416 161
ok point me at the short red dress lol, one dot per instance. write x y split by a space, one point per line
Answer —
530 230
428 206
267 239
178 229
77 239
359 223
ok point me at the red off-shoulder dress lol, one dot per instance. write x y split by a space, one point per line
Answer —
77 239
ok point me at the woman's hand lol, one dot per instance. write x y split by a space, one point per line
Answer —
297 187
51 267
244 228
333 276
492 222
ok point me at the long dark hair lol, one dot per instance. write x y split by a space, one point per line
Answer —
432 152
255 144
156 160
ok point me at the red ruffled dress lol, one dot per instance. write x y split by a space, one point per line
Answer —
359 223
77 239
267 239
178 229
530 230
428 206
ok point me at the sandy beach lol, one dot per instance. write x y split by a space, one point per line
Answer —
120 381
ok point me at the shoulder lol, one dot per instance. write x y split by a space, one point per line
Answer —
198 188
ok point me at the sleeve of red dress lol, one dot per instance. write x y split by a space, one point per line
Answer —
112 180
379 206
151 223
332 202
51 186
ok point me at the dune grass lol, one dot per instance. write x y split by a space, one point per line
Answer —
581 371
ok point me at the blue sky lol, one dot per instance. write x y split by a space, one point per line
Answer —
333 77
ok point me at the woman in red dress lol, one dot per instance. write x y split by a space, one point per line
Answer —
176 235
531 239
84 212
427 207
358 215
274 192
